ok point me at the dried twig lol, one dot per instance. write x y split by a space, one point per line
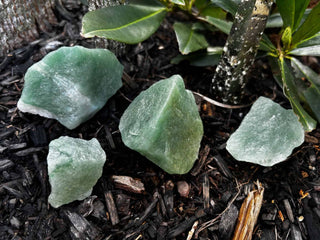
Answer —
249 213
219 104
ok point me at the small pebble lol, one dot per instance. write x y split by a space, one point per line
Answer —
183 188
15 222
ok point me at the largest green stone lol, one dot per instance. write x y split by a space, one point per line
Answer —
164 125
71 84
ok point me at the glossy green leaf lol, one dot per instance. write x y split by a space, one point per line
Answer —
290 90
222 25
309 28
266 44
189 40
131 23
201 4
292 12
230 6
178 2
300 7
267 135
306 51
287 11
312 92
274 21
275 69
212 11
200 59
315 40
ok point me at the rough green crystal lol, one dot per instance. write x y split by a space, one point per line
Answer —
74 167
267 134
71 84
164 125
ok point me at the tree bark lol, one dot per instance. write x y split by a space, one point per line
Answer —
22 20
240 50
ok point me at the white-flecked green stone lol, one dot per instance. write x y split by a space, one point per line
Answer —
267 135
74 167
164 125
71 84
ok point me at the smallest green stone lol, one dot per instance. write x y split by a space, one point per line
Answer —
74 167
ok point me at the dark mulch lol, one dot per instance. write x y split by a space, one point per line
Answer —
217 184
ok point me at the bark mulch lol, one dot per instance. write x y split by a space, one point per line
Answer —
203 204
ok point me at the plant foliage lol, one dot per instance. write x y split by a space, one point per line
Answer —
300 37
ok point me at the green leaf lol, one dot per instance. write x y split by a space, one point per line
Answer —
312 92
189 40
309 28
131 23
287 11
201 4
201 59
275 69
222 25
290 90
212 11
267 135
286 38
178 2
306 51
300 7
292 12
274 21
266 44
230 6
315 40
206 8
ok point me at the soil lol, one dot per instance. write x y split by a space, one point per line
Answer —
206 200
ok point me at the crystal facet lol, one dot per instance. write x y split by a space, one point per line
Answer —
74 167
164 125
71 84
267 134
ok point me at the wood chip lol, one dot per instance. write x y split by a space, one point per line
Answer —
288 210
5 164
203 156
206 192
28 151
128 183
228 222
113 213
222 165
249 213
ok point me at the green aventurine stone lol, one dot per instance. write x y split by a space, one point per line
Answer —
74 167
164 125
267 134
71 84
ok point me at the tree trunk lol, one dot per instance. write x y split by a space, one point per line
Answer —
240 50
22 20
